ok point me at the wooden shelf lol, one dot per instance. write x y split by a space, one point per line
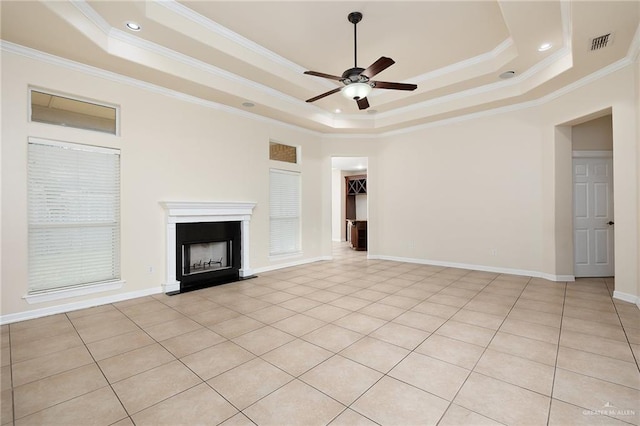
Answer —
356 230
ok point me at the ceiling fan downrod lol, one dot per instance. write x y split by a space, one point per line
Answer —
354 18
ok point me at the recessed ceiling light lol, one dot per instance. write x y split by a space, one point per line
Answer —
372 111
338 111
544 46
248 104
507 74
133 26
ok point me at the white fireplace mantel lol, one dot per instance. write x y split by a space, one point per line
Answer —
198 211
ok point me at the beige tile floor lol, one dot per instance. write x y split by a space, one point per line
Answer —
345 342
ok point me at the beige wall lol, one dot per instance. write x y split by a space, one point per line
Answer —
593 135
636 90
494 192
610 92
171 150
469 193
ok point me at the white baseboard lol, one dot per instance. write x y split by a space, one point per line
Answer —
551 277
68 307
290 264
626 297
497 270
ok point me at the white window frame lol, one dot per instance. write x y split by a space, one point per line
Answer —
75 98
275 216
298 153
40 221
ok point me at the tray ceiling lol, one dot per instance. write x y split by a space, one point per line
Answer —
237 52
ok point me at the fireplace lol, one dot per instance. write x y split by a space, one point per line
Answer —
207 244
207 253
202 258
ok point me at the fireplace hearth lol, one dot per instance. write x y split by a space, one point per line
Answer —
207 244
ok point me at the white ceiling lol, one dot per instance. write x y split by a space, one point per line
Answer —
231 52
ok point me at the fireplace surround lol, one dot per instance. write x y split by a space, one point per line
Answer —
207 243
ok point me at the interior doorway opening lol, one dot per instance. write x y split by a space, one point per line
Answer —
349 201
593 197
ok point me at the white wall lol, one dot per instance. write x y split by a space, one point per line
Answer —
337 184
171 150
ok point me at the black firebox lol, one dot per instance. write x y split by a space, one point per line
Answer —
207 254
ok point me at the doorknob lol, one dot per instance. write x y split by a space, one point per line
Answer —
610 223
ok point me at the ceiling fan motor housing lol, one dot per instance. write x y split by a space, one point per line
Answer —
352 75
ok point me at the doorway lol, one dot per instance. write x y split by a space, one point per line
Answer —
593 198
344 214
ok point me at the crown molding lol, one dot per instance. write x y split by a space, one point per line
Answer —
517 81
513 87
27 52
603 72
120 35
175 7
225 32
200 65
467 63
634 48
91 14
10 47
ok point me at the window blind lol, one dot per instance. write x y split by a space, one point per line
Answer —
73 215
284 212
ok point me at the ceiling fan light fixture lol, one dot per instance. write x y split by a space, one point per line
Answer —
356 91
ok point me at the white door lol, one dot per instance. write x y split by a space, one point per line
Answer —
593 216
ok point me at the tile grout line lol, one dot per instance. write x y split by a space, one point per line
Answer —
555 367
582 350
472 370
100 368
364 335
625 334
203 381
13 399
298 377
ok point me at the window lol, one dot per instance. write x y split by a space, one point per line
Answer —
281 152
74 215
66 111
284 212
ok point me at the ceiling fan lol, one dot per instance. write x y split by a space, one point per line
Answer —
357 81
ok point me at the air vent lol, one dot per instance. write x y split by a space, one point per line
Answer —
600 42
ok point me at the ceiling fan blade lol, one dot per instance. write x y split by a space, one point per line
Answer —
330 92
363 103
323 75
394 86
378 66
